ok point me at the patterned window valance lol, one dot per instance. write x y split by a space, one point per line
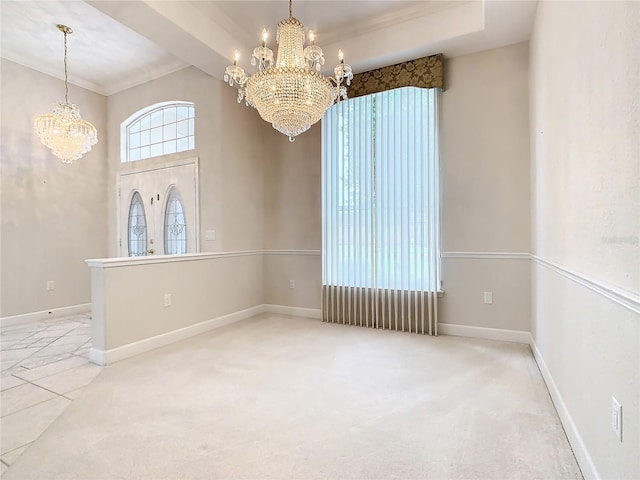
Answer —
425 72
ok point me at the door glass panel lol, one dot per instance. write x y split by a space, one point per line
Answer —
175 225
137 227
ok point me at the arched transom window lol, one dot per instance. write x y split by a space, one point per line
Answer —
175 225
159 129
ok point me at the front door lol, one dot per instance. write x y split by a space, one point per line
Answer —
159 206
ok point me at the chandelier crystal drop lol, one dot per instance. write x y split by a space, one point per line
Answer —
293 94
64 131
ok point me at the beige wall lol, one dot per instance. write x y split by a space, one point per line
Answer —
129 297
53 214
258 190
485 188
293 218
229 145
484 138
585 135
292 196
485 192
466 280
586 141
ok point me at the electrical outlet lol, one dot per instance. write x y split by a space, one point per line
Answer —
488 297
292 284
51 285
167 299
210 235
616 417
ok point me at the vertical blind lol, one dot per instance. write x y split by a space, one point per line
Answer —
380 210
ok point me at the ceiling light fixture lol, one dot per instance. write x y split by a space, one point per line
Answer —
293 95
64 131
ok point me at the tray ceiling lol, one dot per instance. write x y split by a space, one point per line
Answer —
119 44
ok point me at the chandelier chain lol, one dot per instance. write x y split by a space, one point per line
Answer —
66 81
290 9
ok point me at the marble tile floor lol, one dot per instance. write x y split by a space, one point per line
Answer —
44 367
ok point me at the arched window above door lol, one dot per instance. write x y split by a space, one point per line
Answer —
159 129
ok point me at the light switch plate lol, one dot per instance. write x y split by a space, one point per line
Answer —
616 417
488 297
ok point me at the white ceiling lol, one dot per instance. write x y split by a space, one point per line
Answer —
118 44
327 18
103 55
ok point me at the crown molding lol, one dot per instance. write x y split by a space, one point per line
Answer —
220 19
78 82
117 87
387 19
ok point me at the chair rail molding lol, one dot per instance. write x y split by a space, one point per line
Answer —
629 300
292 252
624 298
487 255
130 261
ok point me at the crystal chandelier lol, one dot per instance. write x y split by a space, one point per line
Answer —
64 131
293 95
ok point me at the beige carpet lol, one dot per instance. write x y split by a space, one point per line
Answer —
279 397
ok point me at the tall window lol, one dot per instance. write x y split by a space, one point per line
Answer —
380 191
137 227
175 225
160 129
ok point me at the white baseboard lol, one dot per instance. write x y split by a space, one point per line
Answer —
504 335
33 317
293 311
105 357
585 462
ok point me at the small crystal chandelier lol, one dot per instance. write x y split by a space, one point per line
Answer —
293 95
64 131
